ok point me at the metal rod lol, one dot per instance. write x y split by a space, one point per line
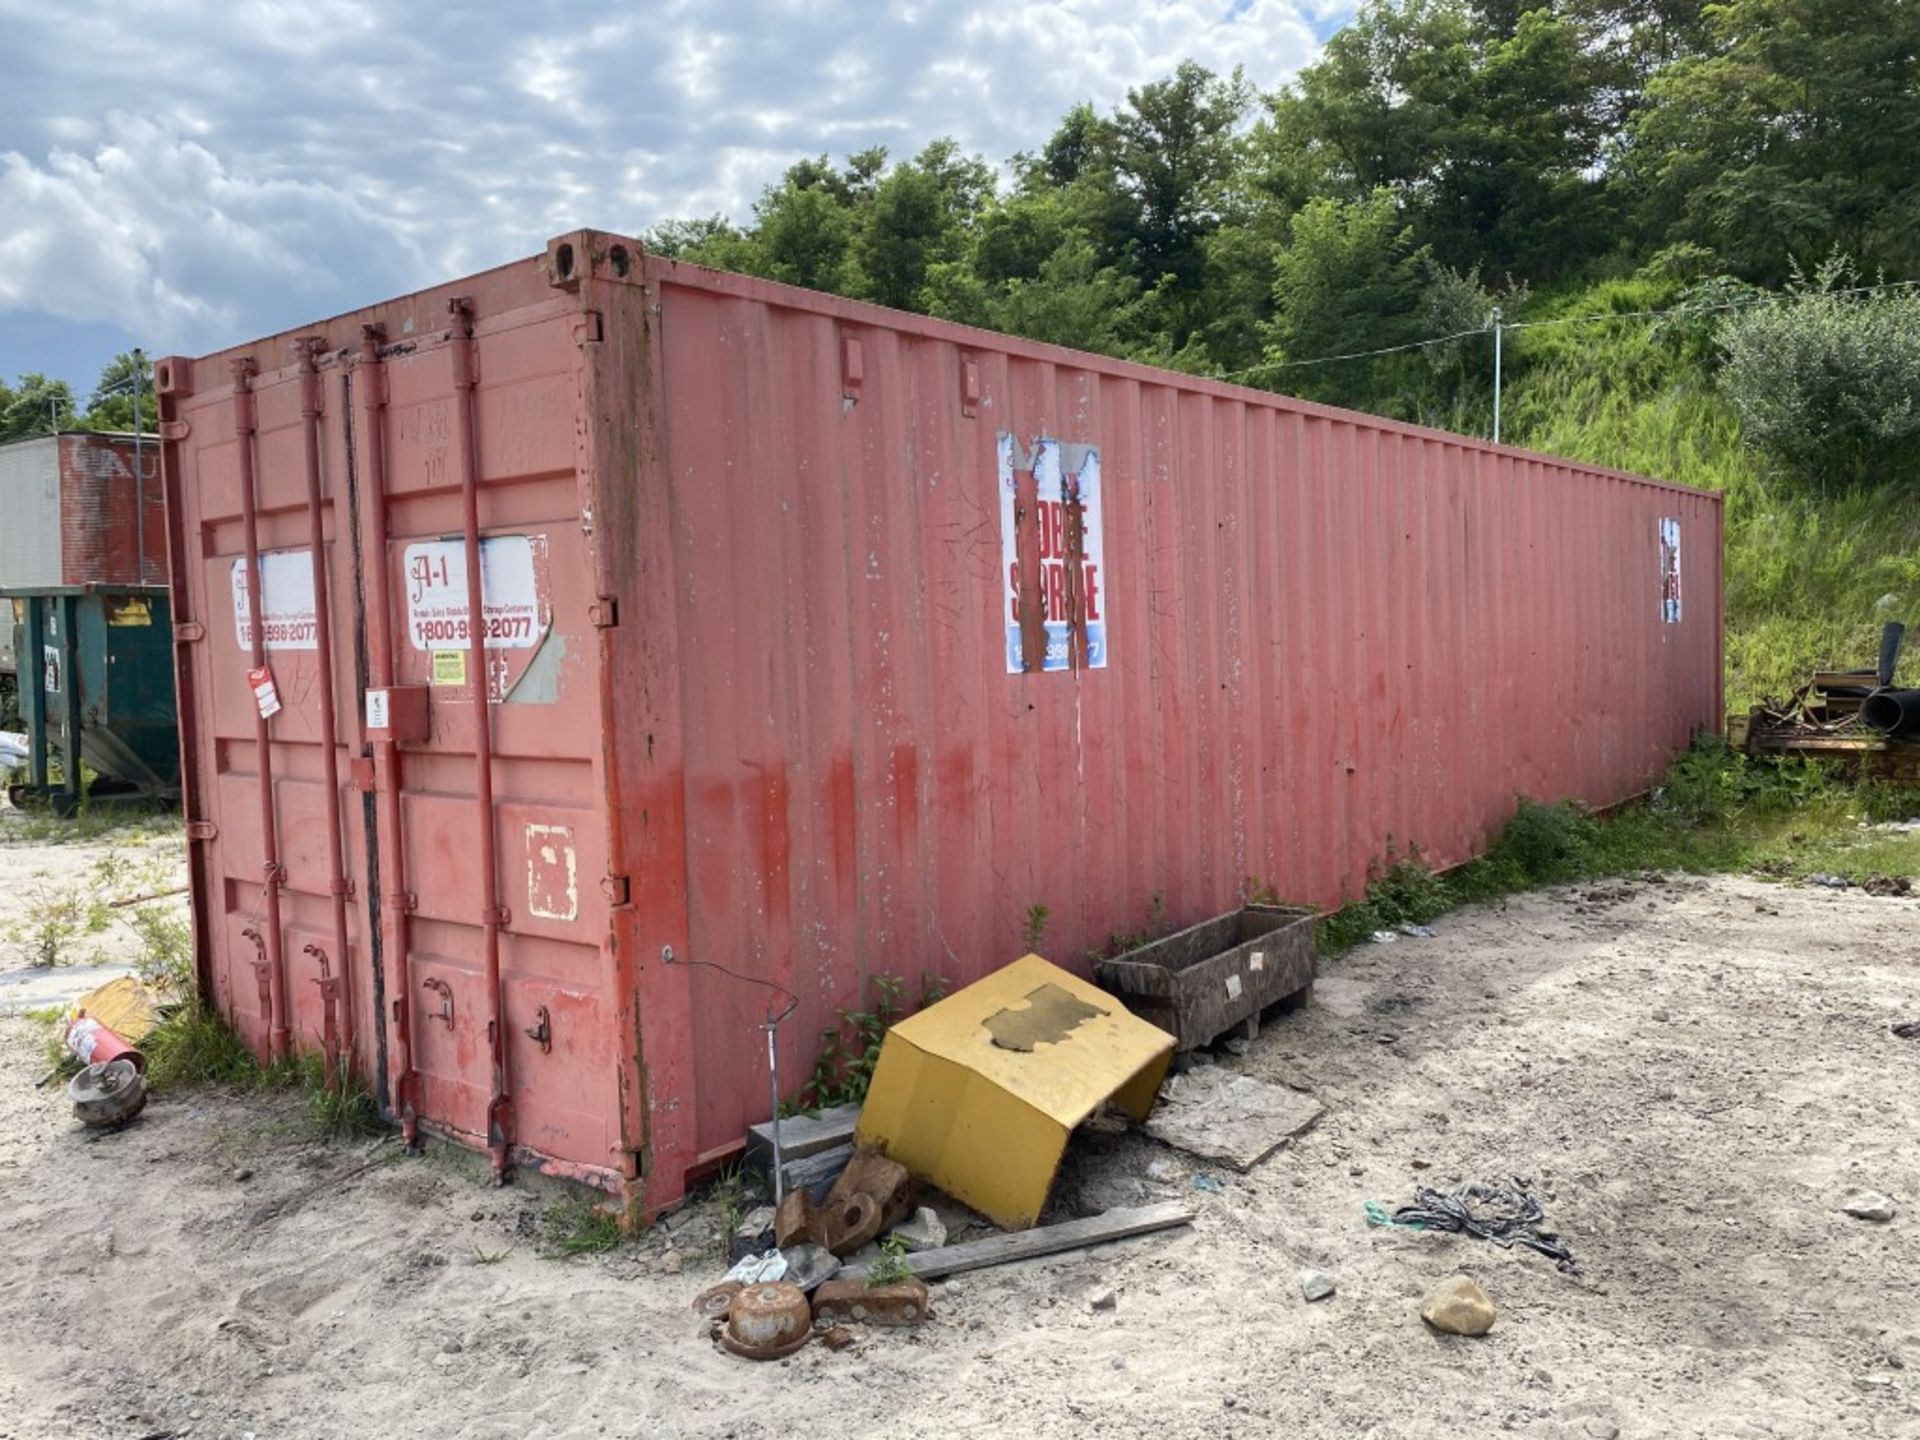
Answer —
499 1108
139 475
773 1079
245 423
1495 322
329 734
395 920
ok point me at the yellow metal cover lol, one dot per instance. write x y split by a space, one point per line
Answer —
978 1093
124 1006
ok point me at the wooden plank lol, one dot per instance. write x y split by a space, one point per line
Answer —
802 1134
1044 1240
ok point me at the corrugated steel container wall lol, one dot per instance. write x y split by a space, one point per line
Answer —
113 514
772 714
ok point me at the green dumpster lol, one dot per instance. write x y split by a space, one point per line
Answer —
96 662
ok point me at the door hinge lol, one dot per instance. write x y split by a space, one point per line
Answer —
589 329
175 430
360 773
202 830
604 613
188 631
616 889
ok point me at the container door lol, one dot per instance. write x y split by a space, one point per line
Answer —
278 860
501 419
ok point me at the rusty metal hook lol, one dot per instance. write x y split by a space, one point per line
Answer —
542 1031
445 992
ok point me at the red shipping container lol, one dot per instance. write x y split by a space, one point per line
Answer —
79 509
822 642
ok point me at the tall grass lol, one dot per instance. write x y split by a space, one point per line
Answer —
1718 811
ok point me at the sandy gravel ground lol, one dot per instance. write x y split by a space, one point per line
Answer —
58 901
1694 1072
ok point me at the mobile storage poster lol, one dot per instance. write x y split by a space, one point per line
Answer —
1065 475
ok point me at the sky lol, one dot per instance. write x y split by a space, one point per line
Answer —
184 177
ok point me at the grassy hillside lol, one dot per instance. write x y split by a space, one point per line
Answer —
1811 576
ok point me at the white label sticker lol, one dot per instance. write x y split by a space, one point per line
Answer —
286 601
436 572
376 709
1233 987
1068 496
1257 960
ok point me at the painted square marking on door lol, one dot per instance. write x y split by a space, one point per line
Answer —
553 873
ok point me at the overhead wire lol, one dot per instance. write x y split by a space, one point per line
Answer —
1603 316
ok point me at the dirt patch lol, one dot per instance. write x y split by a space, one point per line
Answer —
1689 1081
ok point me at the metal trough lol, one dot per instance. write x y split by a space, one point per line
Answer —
1203 981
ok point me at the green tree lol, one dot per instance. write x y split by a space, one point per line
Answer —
918 217
1794 132
1174 153
111 406
1489 129
35 405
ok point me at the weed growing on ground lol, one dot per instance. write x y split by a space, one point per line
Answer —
193 1046
1718 810
56 917
891 1267
575 1225
850 1049
1035 928
342 1111
134 824
166 948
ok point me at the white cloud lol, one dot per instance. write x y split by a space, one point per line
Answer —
195 174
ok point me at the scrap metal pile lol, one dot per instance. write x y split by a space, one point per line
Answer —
976 1097
1851 715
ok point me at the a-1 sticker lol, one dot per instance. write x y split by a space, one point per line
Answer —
266 695
436 574
286 601
449 667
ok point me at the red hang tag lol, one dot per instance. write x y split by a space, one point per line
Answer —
264 693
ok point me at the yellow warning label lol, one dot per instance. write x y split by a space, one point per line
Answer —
449 667
131 612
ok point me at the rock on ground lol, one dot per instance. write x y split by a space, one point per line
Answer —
1458 1307
1868 1205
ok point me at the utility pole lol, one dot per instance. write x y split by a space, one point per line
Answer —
1494 321
139 473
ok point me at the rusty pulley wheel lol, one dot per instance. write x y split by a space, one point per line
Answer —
768 1322
108 1094
716 1301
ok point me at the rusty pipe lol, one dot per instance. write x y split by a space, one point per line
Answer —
329 732
499 1106
395 901
262 972
245 426
329 998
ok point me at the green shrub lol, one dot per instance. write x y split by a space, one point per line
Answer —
1827 384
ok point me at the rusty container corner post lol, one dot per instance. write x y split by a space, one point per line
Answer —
654 654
